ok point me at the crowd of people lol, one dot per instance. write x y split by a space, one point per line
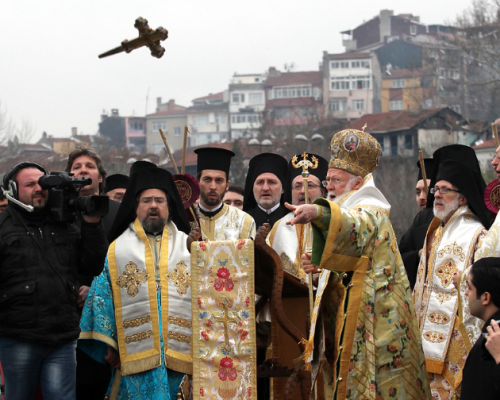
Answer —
99 306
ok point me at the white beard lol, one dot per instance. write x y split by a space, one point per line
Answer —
449 209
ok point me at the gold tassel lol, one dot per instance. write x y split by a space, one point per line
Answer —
309 347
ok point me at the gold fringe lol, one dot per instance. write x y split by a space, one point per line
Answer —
309 347
145 364
435 367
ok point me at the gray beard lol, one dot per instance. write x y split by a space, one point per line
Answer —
153 225
449 209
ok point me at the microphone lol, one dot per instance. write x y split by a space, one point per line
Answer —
9 193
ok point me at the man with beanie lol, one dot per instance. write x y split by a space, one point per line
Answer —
218 220
264 188
363 320
447 328
115 186
137 316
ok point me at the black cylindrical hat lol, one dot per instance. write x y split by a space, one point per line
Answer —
214 158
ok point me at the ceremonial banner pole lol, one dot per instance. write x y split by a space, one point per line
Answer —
422 168
168 151
495 133
183 169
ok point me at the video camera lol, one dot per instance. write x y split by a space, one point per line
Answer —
64 201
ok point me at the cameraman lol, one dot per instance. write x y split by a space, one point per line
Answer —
92 377
39 262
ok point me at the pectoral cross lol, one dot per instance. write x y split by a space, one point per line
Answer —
225 319
147 37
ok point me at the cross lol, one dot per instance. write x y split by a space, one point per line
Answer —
305 164
147 37
225 319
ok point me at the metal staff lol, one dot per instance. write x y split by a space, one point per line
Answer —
495 133
305 164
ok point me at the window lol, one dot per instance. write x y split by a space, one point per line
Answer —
306 112
177 131
238 98
395 105
255 98
358 104
281 113
159 125
408 142
241 118
355 64
338 105
200 120
340 83
283 92
365 64
394 146
428 103
344 64
398 83
135 126
335 65
157 148
361 82
456 108
253 118
413 30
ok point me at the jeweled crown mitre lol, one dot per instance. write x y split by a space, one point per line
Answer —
355 152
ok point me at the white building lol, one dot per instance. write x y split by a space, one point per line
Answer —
349 85
208 119
246 104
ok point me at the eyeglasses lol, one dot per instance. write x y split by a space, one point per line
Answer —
149 200
443 190
299 186
334 181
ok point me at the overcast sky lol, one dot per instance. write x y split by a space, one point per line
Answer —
50 74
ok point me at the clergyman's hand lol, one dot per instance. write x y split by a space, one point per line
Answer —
194 236
113 357
302 214
306 264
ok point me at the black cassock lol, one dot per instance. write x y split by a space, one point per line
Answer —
413 241
481 375
262 217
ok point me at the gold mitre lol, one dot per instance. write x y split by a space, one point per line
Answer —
355 152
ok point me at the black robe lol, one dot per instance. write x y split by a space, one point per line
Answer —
261 217
413 241
481 373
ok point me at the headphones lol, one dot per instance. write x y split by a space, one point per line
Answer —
10 185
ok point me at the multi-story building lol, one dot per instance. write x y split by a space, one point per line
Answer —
208 119
381 30
171 118
293 98
407 89
135 133
246 104
351 88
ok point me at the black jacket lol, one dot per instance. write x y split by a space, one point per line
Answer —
261 217
481 373
39 263
413 241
